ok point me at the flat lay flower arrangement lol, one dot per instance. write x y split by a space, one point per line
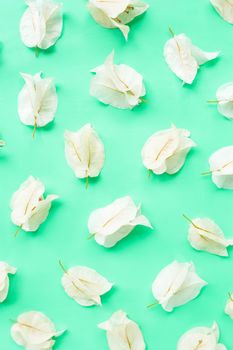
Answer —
116 175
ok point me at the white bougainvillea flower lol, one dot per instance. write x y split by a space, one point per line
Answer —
116 14
176 284
117 85
115 221
205 234
41 24
84 152
203 338
224 8
122 333
183 58
29 207
166 150
34 331
37 101
229 306
5 270
224 100
84 285
221 167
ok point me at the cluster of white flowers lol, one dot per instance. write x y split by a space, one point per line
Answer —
165 151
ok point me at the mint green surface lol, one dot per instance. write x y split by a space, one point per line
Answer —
134 262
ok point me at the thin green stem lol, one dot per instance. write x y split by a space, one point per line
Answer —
187 218
150 306
62 266
90 236
171 31
87 182
18 230
37 51
207 173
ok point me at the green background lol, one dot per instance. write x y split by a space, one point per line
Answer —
136 260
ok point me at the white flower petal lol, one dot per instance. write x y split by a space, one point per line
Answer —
5 270
122 333
84 152
224 8
184 58
37 101
41 24
221 167
29 208
34 331
85 285
115 221
205 234
116 14
118 85
224 97
176 284
166 150
201 337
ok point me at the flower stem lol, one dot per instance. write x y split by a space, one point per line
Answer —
150 306
171 31
62 266
37 51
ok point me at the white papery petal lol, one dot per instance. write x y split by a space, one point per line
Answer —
184 58
224 8
176 284
224 97
122 333
115 221
41 24
166 150
221 167
37 101
29 208
34 330
85 285
201 337
5 270
116 14
118 85
84 152
205 234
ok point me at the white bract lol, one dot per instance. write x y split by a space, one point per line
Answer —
203 338
229 306
221 167
34 331
29 207
205 234
116 14
85 285
5 270
166 150
41 23
224 8
224 100
117 85
176 284
37 101
84 152
184 59
122 333
115 221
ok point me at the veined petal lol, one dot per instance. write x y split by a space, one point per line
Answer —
84 152
224 8
85 285
33 328
115 221
123 333
176 284
221 167
37 101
